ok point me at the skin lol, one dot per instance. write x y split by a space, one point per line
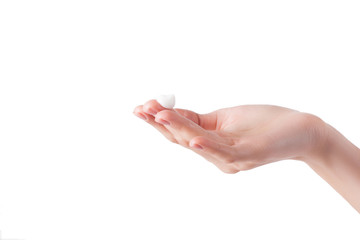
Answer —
244 137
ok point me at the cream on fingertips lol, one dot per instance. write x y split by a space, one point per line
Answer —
167 101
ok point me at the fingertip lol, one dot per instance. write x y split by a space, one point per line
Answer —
141 116
196 146
162 121
149 110
167 115
138 109
152 107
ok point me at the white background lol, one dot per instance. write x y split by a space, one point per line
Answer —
75 163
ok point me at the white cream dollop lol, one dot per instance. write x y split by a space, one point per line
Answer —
167 101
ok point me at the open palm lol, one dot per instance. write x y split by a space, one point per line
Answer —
237 138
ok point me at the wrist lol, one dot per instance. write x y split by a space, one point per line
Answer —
337 161
321 138
328 144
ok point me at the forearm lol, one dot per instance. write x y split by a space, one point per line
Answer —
339 164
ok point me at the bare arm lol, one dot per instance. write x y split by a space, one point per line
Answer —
339 164
244 137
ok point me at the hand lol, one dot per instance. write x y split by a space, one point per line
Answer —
239 138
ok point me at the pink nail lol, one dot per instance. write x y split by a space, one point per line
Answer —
162 121
197 146
151 111
142 116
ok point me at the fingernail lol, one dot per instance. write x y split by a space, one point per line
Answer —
162 121
140 115
151 111
197 146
